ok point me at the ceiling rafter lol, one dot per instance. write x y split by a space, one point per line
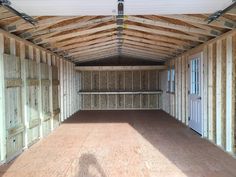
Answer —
96 53
170 26
97 49
78 40
44 23
149 36
112 53
138 57
194 19
65 29
88 38
75 34
166 33
155 47
142 55
80 22
146 50
154 42
90 47
88 43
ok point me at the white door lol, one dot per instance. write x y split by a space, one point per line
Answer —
195 100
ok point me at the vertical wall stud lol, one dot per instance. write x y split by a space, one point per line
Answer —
218 94
50 61
2 102
210 92
229 93
61 71
24 93
205 91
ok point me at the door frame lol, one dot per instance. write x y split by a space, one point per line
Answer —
190 57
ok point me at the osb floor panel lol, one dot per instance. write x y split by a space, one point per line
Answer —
122 144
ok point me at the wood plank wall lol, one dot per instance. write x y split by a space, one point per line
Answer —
36 94
112 81
218 90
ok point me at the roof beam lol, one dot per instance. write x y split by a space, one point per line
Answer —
90 47
75 34
83 44
147 50
93 48
166 33
79 22
75 26
154 47
158 38
21 25
151 47
193 19
112 50
141 55
82 39
97 57
157 43
143 52
170 26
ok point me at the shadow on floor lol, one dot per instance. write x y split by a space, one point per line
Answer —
184 148
89 166
170 140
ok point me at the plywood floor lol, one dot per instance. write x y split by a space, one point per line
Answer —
122 144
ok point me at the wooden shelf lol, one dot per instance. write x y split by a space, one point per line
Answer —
119 92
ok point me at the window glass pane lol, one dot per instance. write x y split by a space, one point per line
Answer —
168 75
168 78
173 80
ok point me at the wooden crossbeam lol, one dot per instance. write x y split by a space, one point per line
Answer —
76 34
170 26
159 38
93 48
79 23
142 52
169 54
130 53
83 24
153 46
120 68
137 56
157 43
146 50
94 53
22 25
83 44
166 33
98 55
82 39
6 15
193 19
90 47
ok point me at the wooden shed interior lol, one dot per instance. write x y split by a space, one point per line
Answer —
178 57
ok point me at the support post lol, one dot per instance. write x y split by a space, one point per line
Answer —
229 93
2 103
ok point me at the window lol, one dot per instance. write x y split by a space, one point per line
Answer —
171 80
195 76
